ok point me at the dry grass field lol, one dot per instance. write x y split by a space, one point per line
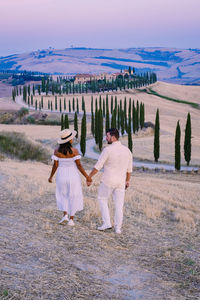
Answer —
156 256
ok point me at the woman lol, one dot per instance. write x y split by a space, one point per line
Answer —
69 195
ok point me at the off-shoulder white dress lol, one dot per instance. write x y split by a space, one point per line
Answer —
69 196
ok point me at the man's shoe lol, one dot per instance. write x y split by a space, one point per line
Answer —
117 230
64 220
104 227
71 222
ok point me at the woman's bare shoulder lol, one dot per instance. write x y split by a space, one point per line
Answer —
75 151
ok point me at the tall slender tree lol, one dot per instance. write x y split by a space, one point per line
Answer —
62 122
83 134
66 124
130 142
178 147
187 140
157 137
76 123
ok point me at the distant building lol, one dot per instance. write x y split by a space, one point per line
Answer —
83 78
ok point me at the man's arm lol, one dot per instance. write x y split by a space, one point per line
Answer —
98 165
128 177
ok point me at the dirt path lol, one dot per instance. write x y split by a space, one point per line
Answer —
43 260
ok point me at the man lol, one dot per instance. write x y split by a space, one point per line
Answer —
117 162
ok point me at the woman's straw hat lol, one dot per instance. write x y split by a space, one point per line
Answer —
66 135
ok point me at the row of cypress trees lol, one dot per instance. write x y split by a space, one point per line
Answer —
187 141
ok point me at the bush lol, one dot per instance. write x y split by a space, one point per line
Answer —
16 145
22 112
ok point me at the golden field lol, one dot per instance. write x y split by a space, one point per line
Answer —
157 254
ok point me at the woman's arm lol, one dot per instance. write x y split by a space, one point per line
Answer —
54 168
81 169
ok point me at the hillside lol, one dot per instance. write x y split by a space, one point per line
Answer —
171 65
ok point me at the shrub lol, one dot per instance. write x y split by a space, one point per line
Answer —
16 145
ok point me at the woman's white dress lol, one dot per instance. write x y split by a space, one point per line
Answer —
69 196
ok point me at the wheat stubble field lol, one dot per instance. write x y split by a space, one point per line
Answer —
156 257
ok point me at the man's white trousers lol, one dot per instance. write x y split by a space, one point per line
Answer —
118 198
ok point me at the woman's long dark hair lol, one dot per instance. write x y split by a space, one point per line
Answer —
65 148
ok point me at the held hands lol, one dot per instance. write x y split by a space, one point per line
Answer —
88 180
127 184
50 179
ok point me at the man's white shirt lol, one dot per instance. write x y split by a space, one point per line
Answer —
117 160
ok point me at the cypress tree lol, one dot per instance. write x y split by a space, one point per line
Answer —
64 104
100 102
83 134
100 129
29 90
48 105
96 121
24 93
69 105
35 104
104 109
96 106
178 147
107 119
113 119
56 104
76 124
122 121
107 106
66 125
31 99
130 143
91 104
83 104
60 106
111 105
62 122
73 104
116 103
92 124
157 137
125 115
39 89
33 89
187 140
118 117
28 101
42 102
51 106
137 116
133 117
77 106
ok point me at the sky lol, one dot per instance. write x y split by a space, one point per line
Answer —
28 25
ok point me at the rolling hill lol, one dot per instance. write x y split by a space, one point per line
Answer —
180 66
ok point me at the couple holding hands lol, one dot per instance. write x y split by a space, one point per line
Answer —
116 159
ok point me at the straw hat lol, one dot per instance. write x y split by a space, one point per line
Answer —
66 135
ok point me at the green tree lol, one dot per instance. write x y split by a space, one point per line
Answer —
56 103
133 117
92 124
64 104
100 129
76 123
130 142
62 122
60 105
66 124
157 137
73 104
96 122
69 105
77 106
83 134
187 140
107 119
178 147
